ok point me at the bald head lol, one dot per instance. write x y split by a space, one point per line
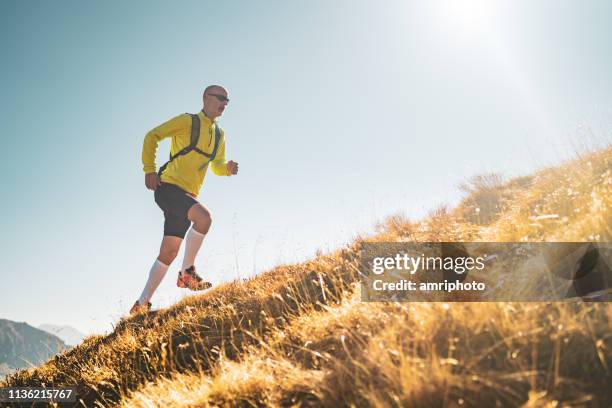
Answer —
215 100
214 89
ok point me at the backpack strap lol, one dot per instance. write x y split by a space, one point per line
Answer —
195 135
213 154
195 130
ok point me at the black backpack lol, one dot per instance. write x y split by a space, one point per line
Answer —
195 135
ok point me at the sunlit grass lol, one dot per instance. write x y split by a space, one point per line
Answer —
300 336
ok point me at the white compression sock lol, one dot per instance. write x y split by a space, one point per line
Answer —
157 273
193 242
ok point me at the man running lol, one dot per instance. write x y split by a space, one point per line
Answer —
178 183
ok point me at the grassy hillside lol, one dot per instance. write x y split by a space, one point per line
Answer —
299 336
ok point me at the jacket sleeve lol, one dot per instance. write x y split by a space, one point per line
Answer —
152 139
219 165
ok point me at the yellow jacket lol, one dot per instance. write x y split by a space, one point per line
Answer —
184 170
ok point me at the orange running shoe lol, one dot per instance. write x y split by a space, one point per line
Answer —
138 308
191 280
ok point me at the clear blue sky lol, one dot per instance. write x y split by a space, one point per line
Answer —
341 113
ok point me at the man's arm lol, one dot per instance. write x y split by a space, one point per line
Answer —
151 141
220 166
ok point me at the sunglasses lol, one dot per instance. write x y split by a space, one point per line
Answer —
221 98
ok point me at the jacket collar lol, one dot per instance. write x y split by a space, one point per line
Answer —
205 118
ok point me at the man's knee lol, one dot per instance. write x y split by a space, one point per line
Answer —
201 217
167 255
203 225
205 218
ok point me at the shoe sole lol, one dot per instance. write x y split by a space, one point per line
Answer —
139 309
135 312
181 284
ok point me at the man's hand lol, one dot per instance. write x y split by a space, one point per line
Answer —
152 181
232 168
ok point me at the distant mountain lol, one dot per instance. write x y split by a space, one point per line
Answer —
22 345
5 369
68 334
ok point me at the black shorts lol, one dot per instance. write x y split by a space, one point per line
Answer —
175 203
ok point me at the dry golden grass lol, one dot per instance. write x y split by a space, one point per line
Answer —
300 336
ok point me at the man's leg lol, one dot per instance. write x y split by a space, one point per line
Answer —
201 218
167 253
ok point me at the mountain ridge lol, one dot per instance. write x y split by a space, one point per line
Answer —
22 345
67 334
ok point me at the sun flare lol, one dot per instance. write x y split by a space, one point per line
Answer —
466 15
